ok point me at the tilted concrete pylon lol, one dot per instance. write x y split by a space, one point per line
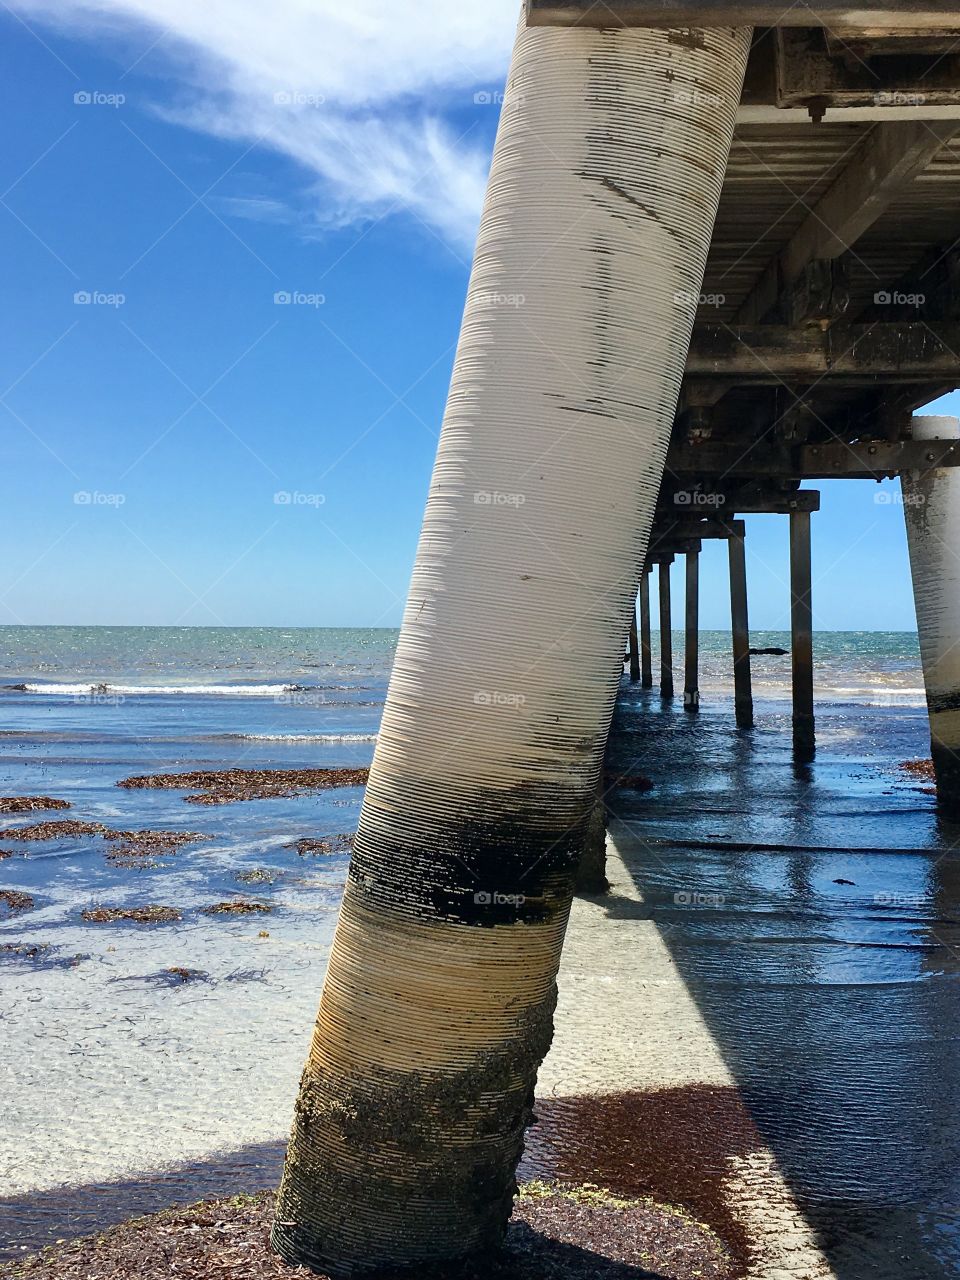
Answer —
931 502
438 1002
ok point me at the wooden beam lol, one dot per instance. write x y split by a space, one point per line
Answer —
878 16
809 75
858 354
732 462
889 159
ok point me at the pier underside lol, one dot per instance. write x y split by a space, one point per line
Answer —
830 307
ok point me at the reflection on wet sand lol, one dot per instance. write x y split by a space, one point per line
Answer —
813 917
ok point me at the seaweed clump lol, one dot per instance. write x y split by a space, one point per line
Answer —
920 769
27 804
238 907
322 846
151 914
225 785
16 900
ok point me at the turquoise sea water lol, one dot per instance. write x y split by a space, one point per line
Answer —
250 661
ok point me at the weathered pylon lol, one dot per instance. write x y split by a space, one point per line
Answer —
646 648
691 636
740 625
932 514
666 628
801 626
634 648
438 1002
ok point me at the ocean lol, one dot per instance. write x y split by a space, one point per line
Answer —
132 1053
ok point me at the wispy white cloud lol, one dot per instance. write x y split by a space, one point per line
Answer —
359 95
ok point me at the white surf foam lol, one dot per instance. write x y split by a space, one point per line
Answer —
104 690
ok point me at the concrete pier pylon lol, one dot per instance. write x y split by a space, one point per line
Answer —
666 629
634 649
801 626
437 1006
740 626
691 667
646 648
931 508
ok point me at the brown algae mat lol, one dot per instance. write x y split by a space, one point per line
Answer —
15 900
55 829
27 804
320 846
572 1234
130 846
151 914
238 907
225 785
922 770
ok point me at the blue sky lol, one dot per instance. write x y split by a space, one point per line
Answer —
213 160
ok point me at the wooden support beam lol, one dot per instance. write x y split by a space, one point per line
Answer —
634 648
809 74
774 504
646 649
740 625
669 527
856 354
878 16
734 462
801 625
728 500
888 161
666 630
691 638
